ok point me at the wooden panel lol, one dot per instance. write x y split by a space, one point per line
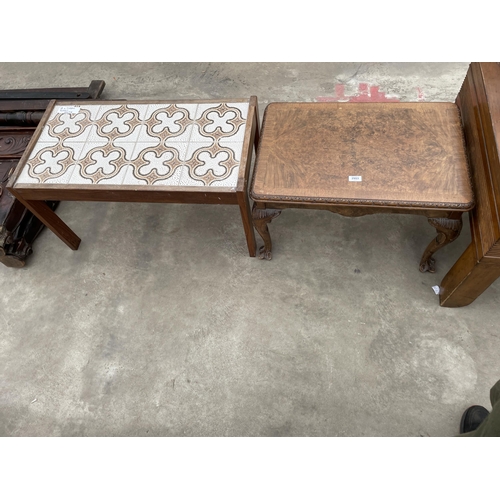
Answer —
155 194
408 154
487 79
468 278
494 251
6 199
483 156
14 140
28 105
93 91
479 266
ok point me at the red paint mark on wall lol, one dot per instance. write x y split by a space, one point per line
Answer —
366 93
420 94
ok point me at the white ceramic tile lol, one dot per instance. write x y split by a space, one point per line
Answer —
202 107
102 161
186 180
181 148
143 136
128 147
232 139
118 123
168 122
64 178
70 123
103 108
89 146
199 138
116 180
191 109
75 149
186 135
220 121
142 109
236 147
156 163
193 147
171 181
50 162
93 108
132 136
39 146
25 178
242 106
76 178
144 146
130 179
208 163
230 181
82 137
46 137
94 135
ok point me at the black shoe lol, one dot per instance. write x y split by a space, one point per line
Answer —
472 418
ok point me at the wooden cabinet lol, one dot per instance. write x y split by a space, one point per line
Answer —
479 265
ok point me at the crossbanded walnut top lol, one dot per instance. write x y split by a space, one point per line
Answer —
134 143
406 154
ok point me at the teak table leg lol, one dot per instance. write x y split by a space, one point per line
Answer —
246 216
261 217
41 210
448 230
468 278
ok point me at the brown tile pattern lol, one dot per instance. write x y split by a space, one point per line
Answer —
196 144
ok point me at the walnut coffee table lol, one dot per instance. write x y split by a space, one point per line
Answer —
139 151
363 158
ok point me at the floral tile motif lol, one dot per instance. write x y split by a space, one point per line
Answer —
196 144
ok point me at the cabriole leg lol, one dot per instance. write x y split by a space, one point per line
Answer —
448 230
261 217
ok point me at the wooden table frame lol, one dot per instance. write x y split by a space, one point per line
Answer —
33 196
445 217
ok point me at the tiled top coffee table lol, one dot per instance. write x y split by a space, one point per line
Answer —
142 151
363 158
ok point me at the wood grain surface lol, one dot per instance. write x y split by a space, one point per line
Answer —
408 154
479 265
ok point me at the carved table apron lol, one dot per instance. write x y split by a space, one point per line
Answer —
356 159
139 151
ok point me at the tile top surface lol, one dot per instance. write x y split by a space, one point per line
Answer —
195 144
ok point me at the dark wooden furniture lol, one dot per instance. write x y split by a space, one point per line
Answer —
363 158
20 113
479 265
141 151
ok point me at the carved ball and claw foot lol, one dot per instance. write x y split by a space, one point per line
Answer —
448 230
261 217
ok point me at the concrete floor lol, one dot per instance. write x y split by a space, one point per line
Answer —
161 325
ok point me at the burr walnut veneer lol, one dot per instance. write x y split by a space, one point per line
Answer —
139 151
363 158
